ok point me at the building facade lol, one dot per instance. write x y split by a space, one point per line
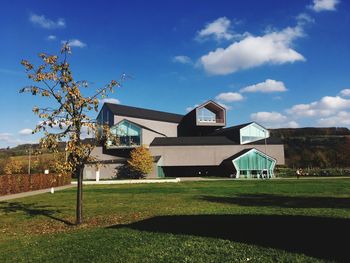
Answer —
195 144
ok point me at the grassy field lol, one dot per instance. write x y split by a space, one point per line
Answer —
221 221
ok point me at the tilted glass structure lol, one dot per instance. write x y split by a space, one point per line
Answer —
126 134
253 132
254 164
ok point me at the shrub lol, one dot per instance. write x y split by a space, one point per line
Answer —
141 161
13 166
17 183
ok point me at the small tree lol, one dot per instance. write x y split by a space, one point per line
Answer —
68 112
141 161
13 166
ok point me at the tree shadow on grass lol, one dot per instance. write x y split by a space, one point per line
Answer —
324 238
32 210
281 201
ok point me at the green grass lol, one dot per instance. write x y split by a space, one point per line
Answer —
217 221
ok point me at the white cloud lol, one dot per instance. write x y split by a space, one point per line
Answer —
345 93
265 116
44 22
303 19
326 106
324 5
218 29
182 59
267 86
229 97
273 120
109 100
5 136
25 131
8 139
292 124
253 51
227 107
74 43
188 109
342 118
51 37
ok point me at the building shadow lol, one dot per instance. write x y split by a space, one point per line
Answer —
32 210
324 238
281 201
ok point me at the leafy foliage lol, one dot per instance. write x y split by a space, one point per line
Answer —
70 115
54 80
141 161
13 166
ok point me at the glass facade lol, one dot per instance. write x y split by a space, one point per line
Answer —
126 133
205 115
254 164
253 132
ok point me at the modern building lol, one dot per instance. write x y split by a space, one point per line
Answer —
195 144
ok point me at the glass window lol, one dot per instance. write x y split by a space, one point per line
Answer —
255 162
205 115
253 133
125 134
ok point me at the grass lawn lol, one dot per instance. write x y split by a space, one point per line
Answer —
218 221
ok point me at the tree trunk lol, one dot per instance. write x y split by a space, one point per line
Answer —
79 209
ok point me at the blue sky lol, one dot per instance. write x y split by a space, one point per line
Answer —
280 63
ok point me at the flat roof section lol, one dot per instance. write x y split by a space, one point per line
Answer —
189 141
141 113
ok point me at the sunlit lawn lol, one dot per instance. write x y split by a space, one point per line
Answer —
218 221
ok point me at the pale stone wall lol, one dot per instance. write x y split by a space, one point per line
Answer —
210 154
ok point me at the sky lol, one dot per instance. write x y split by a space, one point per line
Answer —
279 63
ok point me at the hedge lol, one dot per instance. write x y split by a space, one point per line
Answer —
18 183
318 172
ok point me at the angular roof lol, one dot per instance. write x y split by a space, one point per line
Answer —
192 141
241 153
269 141
210 104
141 113
236 155
232 128
141 126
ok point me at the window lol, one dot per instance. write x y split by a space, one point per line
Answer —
253 132
254 164
126 134
205 115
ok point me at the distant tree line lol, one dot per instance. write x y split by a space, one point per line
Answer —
315 147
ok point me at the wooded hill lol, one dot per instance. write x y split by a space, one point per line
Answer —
315 147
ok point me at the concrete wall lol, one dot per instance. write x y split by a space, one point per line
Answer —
97 153
148 136
107 171
167 128
209 155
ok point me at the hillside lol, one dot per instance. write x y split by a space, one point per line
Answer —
315 147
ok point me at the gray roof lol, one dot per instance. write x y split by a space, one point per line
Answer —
192 141
141 113
231 129
269 141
